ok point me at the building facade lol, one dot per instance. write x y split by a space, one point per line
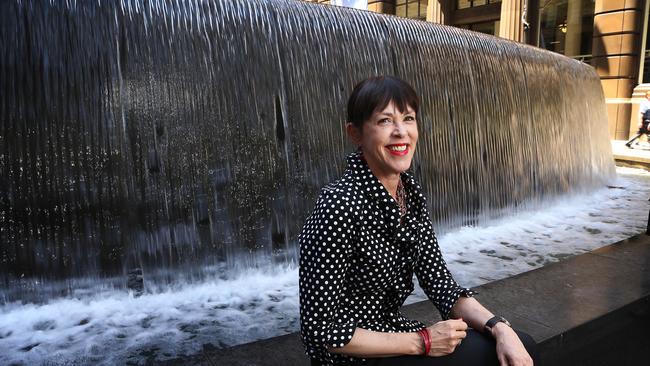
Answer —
610 35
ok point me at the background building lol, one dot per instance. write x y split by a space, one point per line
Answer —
610 35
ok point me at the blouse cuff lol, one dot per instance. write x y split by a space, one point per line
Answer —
339 334
454 296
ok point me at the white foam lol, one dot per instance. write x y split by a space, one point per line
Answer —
113 327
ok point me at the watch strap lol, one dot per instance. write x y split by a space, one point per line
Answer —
493 321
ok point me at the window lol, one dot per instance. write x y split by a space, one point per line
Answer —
484 27
415 9
567 27
464 4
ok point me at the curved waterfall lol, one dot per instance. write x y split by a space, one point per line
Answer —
180 134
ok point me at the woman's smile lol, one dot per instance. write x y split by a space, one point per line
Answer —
388 139
398 149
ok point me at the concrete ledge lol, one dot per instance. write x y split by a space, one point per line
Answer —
591 309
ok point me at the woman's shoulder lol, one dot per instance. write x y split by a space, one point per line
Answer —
343 192
336 206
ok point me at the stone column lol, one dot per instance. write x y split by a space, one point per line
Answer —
616 47
439 11
511 26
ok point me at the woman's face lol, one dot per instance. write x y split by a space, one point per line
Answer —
388 140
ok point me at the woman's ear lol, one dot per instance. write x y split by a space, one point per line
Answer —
353 132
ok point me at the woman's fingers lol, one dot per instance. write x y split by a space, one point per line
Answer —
511 351
457 324
458 332
458 337
446 336
519 360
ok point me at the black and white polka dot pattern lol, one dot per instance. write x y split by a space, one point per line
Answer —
357 262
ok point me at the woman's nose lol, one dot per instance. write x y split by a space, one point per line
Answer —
399 129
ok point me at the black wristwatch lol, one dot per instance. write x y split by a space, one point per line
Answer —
492 322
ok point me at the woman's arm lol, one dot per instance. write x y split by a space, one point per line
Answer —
510 350
472 312
324 261
368 343
434 276
439 285
444 335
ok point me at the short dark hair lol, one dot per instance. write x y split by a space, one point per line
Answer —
375 93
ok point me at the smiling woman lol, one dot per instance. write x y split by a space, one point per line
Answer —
368 234
386 132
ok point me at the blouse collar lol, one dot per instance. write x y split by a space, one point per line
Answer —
374 189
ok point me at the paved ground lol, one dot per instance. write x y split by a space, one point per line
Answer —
639 156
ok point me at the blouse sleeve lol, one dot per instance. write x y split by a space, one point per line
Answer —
325 250
434 276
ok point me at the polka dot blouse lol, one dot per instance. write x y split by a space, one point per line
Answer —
357 260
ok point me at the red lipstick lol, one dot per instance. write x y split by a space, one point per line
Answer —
398 149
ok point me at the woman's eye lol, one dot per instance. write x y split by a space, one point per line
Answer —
409 118
384 120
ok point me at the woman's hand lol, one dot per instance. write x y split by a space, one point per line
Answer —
510 350
446 336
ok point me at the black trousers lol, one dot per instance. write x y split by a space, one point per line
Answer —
476 349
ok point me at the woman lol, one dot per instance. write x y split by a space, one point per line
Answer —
369 232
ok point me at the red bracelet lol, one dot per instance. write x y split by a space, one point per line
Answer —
428 338
427 341
424 333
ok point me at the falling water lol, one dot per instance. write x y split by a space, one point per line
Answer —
178 135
